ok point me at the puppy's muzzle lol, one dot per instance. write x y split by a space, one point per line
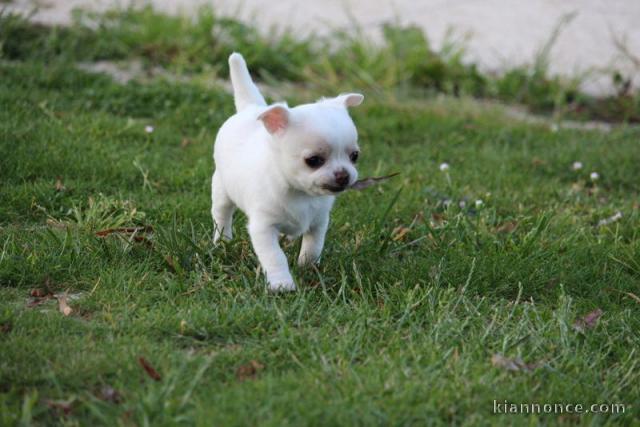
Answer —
342 179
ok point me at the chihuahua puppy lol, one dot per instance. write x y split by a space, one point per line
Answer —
283 168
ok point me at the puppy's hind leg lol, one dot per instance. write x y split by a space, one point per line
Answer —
222 209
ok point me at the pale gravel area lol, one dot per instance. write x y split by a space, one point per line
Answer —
499 33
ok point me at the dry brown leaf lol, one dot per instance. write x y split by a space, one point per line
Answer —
59 185
63 304
437 219
149 369
588 321
169 260
124 230
37 301
40 295
507 227
361 184
512 364
185 142
63 407
398 233
248 371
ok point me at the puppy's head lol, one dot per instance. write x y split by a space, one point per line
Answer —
315 145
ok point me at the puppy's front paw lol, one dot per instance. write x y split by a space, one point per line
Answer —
282 286
281 282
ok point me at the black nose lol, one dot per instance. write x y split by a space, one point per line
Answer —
342 177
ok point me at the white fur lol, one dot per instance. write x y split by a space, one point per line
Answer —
260 157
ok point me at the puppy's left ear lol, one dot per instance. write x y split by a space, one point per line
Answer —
350 99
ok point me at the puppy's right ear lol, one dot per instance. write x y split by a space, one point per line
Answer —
275 119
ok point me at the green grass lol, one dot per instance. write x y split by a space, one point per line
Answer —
391 329
403 62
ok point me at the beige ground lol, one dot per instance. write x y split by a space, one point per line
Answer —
501 33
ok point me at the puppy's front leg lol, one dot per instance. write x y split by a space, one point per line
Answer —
272 259
313 242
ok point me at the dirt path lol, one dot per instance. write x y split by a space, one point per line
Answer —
501 33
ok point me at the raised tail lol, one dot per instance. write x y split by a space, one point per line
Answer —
245 92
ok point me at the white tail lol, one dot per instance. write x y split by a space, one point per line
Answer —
245 91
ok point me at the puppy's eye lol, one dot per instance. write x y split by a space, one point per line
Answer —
314 161
354 156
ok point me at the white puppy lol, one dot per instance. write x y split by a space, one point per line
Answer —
282 167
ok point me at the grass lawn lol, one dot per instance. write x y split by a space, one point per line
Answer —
426 308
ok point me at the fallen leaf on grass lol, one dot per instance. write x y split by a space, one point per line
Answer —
169 260
39 296
398 233
39 293
185 142
248 371
455 356
134 232
437 220
512 364
63 407
37 301
59 185
507 227
124 230
588 321
361 184
63 305
149 369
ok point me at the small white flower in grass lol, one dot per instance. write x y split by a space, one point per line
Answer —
462 204
576 166
148 129
444 167
594 176
479 203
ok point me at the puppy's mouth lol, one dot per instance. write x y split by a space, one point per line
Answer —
335 188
